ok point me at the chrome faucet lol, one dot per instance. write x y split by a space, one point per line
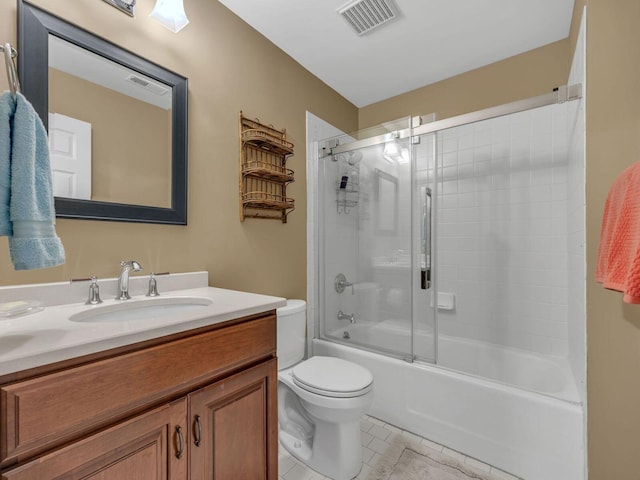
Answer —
123 279
346 316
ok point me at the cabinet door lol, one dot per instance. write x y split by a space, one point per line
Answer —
143 448
234 427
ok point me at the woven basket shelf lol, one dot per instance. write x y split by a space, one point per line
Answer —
263 174
267 200
267 141
268 171
269 129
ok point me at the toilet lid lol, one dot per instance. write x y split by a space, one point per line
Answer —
332 377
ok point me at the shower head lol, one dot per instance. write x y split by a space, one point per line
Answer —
354 157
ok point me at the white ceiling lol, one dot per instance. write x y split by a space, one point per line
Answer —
430 40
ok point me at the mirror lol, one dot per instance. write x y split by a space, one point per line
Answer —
386 198
117 123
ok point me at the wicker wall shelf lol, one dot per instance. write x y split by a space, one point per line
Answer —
263 173
267 200
268 142
268 171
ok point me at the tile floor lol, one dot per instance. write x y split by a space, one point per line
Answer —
374 434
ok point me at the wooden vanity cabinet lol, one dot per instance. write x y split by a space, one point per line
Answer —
143 448
191 406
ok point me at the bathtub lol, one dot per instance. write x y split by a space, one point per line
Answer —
545 374
534 431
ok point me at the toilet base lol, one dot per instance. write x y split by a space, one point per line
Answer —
336 459
322 431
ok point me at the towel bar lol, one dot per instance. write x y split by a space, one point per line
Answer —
9 54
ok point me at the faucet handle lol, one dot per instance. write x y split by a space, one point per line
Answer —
94 292
341 283
94 289
153 284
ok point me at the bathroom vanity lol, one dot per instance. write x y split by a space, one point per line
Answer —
196 403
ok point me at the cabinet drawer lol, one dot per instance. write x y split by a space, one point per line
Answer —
44 412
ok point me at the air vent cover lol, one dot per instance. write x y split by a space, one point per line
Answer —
147 85
365 15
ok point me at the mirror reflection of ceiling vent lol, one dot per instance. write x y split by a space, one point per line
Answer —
147 85
365 15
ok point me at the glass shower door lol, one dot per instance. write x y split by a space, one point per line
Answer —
366 248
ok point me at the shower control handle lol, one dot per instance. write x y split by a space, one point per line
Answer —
341 283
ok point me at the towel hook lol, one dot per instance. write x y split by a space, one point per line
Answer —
12 76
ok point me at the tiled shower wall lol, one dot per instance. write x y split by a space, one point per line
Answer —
502 230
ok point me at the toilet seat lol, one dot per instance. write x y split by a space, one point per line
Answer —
332 377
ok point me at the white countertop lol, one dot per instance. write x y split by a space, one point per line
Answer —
49 336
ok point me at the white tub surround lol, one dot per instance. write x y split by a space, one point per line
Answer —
50 336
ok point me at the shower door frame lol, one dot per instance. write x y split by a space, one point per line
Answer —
559 95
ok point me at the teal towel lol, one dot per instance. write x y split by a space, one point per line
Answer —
7 107
34 243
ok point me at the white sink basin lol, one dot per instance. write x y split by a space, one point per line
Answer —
131 310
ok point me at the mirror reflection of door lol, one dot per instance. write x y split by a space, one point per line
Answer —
70 155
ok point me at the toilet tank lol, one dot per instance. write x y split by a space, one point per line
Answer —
292 326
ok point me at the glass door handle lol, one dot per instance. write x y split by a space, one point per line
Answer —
425 228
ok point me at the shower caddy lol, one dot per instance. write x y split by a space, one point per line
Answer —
263 173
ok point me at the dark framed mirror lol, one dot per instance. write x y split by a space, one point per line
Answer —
117 123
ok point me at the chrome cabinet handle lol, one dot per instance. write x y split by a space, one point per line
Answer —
180 438
425 267
198 431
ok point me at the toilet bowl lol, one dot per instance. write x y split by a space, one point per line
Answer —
320 402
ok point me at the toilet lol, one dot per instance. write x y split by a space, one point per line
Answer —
320 401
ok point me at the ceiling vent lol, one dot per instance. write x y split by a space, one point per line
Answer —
147 85
366 15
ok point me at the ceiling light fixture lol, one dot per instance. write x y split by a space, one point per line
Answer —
394 153
391 152
126 6
171 14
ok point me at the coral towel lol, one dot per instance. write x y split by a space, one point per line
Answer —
618 265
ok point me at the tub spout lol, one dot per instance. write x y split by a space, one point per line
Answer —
346 316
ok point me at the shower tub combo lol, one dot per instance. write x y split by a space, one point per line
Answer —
442 261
